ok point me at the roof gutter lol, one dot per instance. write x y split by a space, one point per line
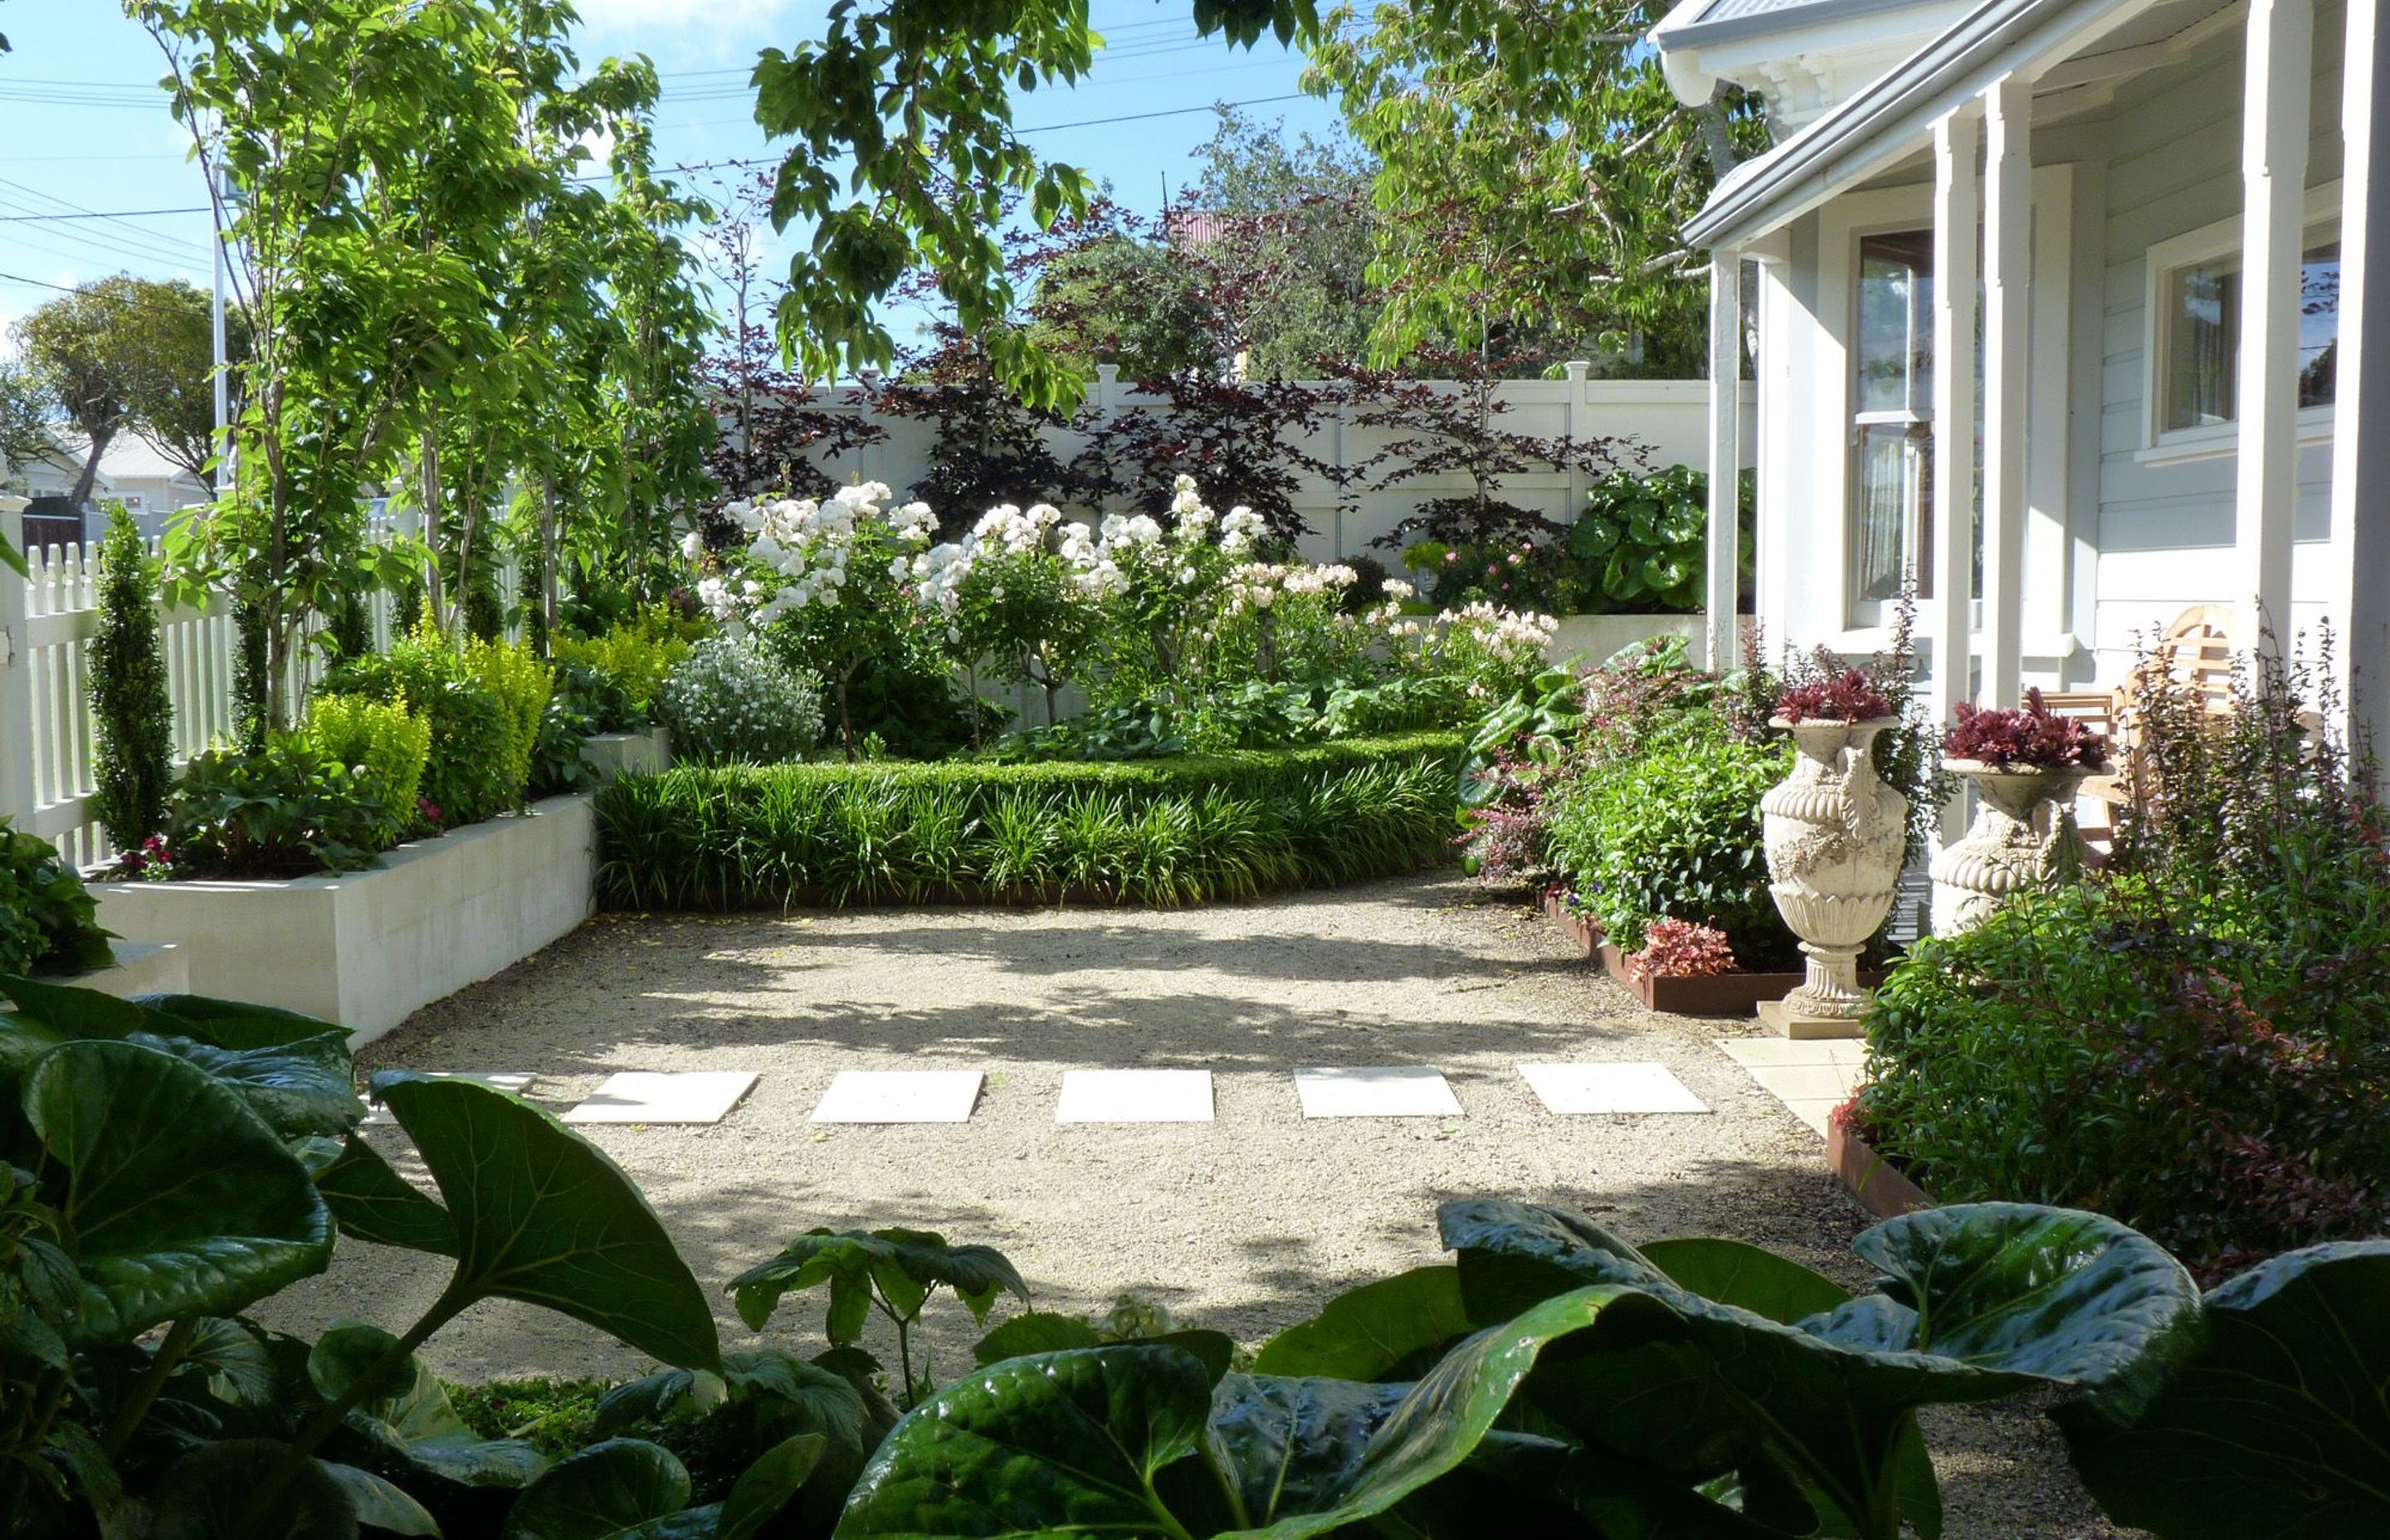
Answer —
1864 134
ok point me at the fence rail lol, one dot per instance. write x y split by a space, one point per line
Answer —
47 733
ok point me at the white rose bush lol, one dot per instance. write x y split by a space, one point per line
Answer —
1189 617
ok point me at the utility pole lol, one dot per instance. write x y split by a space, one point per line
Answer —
220 376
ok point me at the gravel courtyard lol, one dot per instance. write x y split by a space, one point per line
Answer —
1245 1224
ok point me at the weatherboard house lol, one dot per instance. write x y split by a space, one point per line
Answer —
2127 249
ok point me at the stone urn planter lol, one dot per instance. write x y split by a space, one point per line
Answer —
1835 836
2022 838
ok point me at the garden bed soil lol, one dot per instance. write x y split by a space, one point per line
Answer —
1873 1179
368 949
1718 995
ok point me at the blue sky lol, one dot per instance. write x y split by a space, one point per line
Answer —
88 131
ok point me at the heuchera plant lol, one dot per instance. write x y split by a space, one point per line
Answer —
2031 737
1845 696
1682 949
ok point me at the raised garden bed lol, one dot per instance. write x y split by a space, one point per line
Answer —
1882 1187
1718 994
368 949
614 754
140 968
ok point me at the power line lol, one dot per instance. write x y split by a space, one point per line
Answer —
116 213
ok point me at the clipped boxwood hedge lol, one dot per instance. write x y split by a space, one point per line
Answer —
1185 830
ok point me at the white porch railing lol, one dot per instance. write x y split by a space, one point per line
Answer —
47 730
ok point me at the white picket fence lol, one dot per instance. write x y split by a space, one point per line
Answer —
46 728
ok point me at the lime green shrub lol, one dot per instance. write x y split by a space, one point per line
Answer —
520 682
637 655
385 748
465 775
1186 830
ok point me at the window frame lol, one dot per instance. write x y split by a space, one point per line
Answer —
2319 225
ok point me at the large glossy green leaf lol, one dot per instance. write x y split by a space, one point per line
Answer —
543 1216
1294 1445
1391 1330
1732 1272
238 1369
410 1418
609 1489
178 1199
2066 1295
1035 1331
211 1493
301 1087
769 1485
1124 1441
373 1202
1078 1437
1826 1403
2279 1428
381 1504
236 1023
1442 1419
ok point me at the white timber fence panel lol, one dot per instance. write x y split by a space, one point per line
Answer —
1651 424
47 732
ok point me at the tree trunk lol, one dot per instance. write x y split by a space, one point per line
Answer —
433 588
100 443
547 553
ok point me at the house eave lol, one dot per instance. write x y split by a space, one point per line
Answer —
1862 135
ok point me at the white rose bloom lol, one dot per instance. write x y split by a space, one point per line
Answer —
898 567
692 544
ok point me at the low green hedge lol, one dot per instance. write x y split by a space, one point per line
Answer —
1185 830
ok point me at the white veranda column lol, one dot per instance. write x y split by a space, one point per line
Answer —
2008 314
2273 195
1954 139
2360 442
1725 584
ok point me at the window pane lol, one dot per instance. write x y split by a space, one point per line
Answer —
1896 342
1892 523
2203 321
2319 323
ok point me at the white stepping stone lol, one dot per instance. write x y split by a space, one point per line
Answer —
517 1085
646 1096
899 1095
1376 1091
1135 1096
1571 1089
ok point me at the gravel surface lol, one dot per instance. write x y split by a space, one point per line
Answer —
1245 1224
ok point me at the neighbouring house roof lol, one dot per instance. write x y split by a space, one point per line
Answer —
132 457
1801 56
1872 129
1699 21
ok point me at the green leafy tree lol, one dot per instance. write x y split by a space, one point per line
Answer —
1287 240
1122 301
132 715
119 354
905 155
1535 172
27 409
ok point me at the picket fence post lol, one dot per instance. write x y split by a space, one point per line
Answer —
16 684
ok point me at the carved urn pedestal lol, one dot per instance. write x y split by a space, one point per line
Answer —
2023 839
1834 835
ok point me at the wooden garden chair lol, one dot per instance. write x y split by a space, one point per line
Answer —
2196 648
